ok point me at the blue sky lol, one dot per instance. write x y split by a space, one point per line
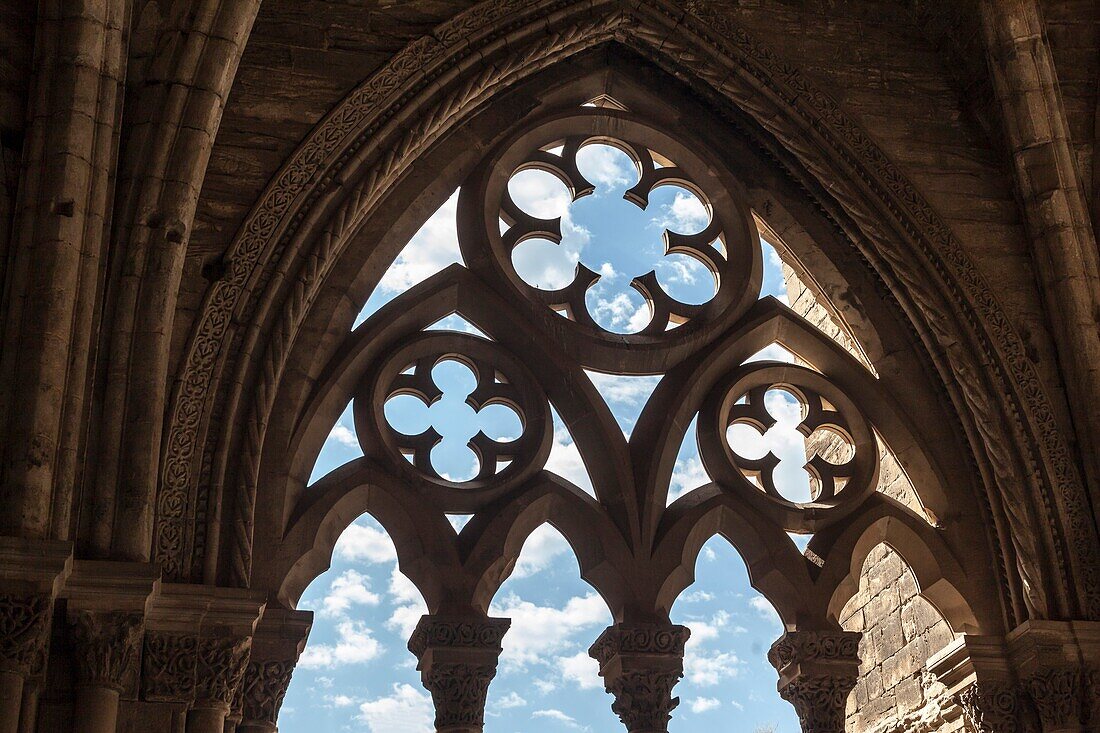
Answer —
356 674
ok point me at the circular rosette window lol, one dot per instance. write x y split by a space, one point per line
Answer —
770 423
705 235
440 406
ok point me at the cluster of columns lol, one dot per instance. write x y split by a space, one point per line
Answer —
161 655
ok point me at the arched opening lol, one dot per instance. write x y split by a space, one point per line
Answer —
901 631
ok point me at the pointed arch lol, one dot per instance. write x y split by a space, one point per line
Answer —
283 265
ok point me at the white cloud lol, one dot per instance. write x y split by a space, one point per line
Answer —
737 705
764 608
432 248
363 542
348 589
405 710
559 716
581 670
707 670
704 704
343 435
620 313
687 475
697 596
509 701
540 549
631 390
538 632
685 215
709 554
409 605
355 645
606 167
340 701
565 459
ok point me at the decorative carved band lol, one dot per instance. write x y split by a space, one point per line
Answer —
105 646
24 631
436 631
807 646
639 639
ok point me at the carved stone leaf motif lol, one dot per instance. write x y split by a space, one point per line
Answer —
643 699
220 668
106 646
1058 696
263 689
991 707
168 667
459 691
820 701
24 631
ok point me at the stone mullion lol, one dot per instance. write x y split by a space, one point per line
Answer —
457 659
640 664
817 672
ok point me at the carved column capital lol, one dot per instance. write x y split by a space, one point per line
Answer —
817 671
262 692
219 668
457 658
168 667
1058 696
991 707
24 631
640 664
105 645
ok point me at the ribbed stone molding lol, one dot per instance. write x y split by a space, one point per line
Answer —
640 664
457 659
817 671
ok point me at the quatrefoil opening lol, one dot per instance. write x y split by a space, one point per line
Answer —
844 463
727 245
409 370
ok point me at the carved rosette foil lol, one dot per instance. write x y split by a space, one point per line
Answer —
740 399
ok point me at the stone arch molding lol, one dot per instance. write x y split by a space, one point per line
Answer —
299 228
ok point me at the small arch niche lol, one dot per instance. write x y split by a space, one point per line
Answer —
356 672
545 679
728 682
901 630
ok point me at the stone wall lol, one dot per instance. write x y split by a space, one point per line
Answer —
900 629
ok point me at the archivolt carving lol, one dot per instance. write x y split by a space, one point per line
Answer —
754 79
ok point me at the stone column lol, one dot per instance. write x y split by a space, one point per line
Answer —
1052 660
991 707
278 642
24 633
106 605
817 671
640 664
457 659
105 647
